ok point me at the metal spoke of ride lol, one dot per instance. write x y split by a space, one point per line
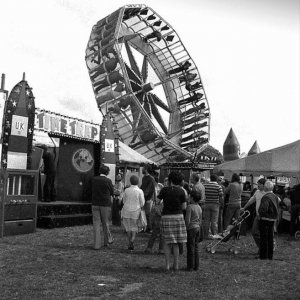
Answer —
136 114
147 106
160 103
141 97
135 87
132 76
145 69
157 115
132 61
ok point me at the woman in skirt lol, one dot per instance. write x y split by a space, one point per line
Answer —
133 201
173 227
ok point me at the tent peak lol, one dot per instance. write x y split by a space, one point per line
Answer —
254 149
231 147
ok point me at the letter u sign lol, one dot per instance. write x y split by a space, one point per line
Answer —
19 125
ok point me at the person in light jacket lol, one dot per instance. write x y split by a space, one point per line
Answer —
133 201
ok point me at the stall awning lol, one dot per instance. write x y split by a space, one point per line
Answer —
128 155
43 138
281 161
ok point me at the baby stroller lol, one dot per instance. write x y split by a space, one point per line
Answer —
231 231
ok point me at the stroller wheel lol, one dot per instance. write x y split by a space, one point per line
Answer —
208 249
230 250
297 235
235 252
213 251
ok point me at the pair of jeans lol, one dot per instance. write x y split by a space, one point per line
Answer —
49 188
116 213
232 211
155 233
211 215
101 215
255 231
192 246
220 220
266 229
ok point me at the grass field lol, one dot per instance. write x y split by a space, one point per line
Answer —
61 264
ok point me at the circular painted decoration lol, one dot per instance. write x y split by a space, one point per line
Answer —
83 160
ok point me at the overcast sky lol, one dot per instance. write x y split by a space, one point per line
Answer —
247 53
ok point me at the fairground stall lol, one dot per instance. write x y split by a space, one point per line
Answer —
283 161
187 168
281 165
76 148
74 153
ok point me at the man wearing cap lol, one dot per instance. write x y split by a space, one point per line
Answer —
256 198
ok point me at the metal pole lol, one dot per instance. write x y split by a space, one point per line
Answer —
2 81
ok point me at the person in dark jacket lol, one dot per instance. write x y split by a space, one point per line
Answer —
268 214
50 172
148 187
102 193
295 208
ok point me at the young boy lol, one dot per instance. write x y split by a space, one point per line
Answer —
193 219
155 223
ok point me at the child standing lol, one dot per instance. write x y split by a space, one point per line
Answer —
193 219
155 225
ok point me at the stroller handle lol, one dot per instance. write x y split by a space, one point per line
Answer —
245 214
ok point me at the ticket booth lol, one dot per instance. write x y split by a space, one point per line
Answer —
18 201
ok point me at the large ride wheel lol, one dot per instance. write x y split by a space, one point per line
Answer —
142 73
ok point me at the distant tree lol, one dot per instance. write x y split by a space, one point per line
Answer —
210 151
177 158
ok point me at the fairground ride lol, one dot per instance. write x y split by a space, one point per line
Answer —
142 74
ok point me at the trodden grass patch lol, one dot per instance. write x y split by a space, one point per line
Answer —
61 264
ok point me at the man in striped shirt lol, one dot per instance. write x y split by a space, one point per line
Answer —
213 200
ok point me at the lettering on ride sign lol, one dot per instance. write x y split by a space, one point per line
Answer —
109 145
63 125
19 125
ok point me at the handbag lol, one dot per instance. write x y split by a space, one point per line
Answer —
142 221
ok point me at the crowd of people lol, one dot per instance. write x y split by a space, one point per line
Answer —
176 213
